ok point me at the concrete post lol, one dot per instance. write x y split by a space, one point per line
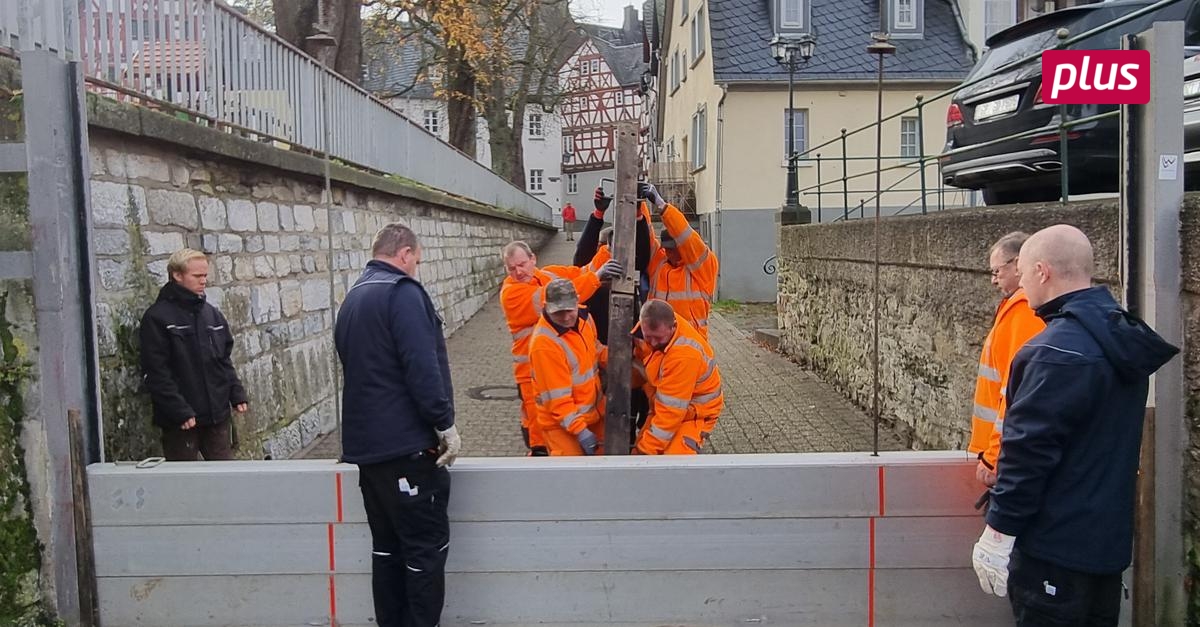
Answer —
622 301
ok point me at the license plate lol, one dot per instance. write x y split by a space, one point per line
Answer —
993 108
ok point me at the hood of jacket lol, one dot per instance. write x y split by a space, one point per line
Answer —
1129 344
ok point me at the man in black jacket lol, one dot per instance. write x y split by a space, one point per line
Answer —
1060 526
185 357
398 426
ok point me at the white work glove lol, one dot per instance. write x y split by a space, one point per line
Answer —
588 441
990 559
449 447
647 191
610 270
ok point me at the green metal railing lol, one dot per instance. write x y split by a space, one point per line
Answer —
920 162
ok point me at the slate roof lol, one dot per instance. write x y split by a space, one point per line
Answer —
625 61
741 33
392 69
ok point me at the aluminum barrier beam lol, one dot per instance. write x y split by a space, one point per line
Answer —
808 539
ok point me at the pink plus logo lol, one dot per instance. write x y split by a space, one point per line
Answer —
1109 77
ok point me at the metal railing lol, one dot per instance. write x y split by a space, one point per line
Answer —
46 25
933 196
671 172
203 59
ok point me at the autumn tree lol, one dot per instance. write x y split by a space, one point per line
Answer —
490 58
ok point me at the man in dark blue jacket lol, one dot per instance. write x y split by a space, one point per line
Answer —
398 426
1060 527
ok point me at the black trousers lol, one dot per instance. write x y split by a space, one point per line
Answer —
1047 595
214 442
406 501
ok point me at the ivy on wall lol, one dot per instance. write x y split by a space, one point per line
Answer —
20 551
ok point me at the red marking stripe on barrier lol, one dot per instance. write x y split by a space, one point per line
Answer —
332 601
332 563
882 493
871 575
332 584
338 484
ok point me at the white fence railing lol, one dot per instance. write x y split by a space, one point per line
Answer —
39 25
206 58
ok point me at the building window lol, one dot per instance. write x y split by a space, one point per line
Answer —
683 11
792 13
910 141
572 183
433 121
535 125
698 35
998 15
800 123
535 180
568 148
595 66
619 97
683 67
699 138
583 68
671 149
906 14
675 70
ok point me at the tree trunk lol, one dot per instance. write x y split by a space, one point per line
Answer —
505 138
460 110
346 26
297 20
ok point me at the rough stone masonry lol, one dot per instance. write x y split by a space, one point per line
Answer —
936 306
274 248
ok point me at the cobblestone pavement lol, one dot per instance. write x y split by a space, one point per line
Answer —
771 404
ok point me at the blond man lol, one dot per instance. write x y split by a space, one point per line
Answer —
185 358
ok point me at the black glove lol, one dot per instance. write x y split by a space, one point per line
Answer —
600 201
647 191
610 270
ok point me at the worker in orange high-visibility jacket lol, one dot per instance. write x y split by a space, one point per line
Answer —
683 380
1014 325
521 298
682 268
566 359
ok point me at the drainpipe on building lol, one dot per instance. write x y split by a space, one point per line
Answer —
962 29
716 230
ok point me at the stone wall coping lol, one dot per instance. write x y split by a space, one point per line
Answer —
138 121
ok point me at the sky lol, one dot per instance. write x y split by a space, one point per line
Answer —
607 12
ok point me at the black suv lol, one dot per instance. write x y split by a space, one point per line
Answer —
1028 169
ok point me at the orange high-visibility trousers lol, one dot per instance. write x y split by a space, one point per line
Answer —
562 443
529 424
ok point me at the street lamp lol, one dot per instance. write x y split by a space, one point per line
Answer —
791 52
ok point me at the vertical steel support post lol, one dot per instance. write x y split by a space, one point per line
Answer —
1151 199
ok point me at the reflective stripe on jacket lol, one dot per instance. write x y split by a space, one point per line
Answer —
566 374
1015 324
522 304
685 384
690 287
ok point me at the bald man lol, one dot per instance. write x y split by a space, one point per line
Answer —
1060 526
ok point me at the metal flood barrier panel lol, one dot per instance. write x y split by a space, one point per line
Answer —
807 539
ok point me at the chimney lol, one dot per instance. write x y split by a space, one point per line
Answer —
631 30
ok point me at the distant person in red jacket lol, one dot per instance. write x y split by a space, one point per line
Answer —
568 216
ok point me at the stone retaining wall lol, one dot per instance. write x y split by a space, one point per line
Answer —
274 248
936 306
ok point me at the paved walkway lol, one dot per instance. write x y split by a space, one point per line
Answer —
771 404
